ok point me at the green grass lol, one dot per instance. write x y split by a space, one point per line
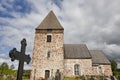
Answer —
116 73
72 79
6 72
12 72
24 78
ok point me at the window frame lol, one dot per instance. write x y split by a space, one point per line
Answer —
100 70
48 54
49 38
76 69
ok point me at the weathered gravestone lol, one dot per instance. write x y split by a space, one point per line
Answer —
83 77
16 55
57 75
92 78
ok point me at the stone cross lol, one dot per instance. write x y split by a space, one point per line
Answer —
16 55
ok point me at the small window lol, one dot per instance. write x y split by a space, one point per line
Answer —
48 54
100 70
47 73
49 38
76 69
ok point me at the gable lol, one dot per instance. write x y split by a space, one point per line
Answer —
50 22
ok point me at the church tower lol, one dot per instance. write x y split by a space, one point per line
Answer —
48 54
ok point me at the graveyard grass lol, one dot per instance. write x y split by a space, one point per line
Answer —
13 72
2 78
72 79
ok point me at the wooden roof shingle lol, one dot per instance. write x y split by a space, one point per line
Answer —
76 51
98 57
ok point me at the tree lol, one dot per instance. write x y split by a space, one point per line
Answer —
113 65
4 66
12 67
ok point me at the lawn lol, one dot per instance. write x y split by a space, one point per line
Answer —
24 78
72 79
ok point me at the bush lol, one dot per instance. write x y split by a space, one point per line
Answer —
116 73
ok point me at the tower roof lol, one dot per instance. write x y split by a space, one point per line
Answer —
50 22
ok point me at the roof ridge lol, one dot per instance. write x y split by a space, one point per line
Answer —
50 22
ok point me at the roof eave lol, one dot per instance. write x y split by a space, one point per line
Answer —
101 63
48 29
79 58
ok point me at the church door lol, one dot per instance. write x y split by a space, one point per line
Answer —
47 73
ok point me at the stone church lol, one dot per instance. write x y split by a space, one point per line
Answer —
50 54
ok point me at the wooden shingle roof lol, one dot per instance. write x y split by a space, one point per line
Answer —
80 51
76 51
98 57
50 22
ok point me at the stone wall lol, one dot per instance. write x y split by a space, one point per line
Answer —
85 66
95 70
106 70
40 61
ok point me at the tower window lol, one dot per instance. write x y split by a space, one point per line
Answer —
48 54
49 38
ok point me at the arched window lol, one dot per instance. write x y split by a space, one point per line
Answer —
100 70
76 69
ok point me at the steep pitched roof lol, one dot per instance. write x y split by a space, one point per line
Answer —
76 51
98 57
50 22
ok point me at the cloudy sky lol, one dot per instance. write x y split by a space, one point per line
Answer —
95 23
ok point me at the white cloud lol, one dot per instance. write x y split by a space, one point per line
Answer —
118 65
95 23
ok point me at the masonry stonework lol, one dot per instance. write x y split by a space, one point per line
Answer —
48 57
106 70
40 61
85 67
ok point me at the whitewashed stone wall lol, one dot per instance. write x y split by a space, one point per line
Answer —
84 64
40 62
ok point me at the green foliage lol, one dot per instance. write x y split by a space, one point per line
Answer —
8 72
26 73
23 78
72 79
113 65
4 66
4 69
116 73
12 67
